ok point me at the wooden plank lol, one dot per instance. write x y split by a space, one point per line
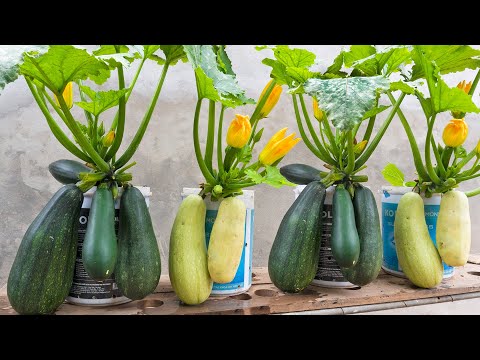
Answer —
264 298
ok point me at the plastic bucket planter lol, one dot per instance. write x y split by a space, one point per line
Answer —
84 290
243 278
390 198
328 272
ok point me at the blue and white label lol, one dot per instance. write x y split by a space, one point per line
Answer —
389 209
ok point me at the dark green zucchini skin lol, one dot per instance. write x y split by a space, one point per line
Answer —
138 267
42 272
345 242
99 253
300 174
369 233
66 171
293 259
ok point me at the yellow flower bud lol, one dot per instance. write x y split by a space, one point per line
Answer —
271 101
277 147
67 95
465 87
239 131
477 149
317 113
108 139
358 149
455 133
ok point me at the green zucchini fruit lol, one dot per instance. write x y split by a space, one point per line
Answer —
300 174
187 259
227 240
417 255
66 171
345 241
369 233
42 272
138 267
454 229
99 253
293 259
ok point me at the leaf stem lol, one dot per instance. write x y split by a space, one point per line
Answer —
351 154
196 143
428 161
219 143
210 136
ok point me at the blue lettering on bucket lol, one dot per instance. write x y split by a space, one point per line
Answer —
239 281
390 260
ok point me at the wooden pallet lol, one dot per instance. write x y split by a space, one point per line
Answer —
264 298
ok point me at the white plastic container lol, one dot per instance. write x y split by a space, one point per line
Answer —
390 198
328 272
84 290
243 278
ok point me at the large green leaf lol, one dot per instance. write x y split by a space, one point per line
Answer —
101 100
173 53
11 57
442 97
212 83
345 101
290 65
365 53
334 70
448 58
60 65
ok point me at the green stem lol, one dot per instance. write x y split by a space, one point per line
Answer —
368 131
43 93
351 154
127 96
417 158
81 139
95 132
376 140
465 178
127 155
428 161
83 98
440 166
56 130
240 185
121 116
472 170
302 131
473 192
330 136
313 133
210 136
474 84
466 159
446 155
196 143
219 143
259 107
125 168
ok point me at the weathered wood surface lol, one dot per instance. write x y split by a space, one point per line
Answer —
264 298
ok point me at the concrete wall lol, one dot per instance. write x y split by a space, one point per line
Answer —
166 160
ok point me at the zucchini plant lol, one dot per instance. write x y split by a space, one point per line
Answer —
339 131
236 169
443 167
53 74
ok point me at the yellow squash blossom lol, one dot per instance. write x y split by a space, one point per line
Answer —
317 113
108 139
358 149
477 149
239 131
465 87
277 147
67 95
271 101
455 133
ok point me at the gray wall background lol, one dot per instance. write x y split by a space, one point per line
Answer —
166 160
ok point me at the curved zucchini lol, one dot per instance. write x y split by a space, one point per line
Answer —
66 171
369 233
293 259
416 253
300 174
454 229
99 252
345 241
187 259
227 240
138 267
42 272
